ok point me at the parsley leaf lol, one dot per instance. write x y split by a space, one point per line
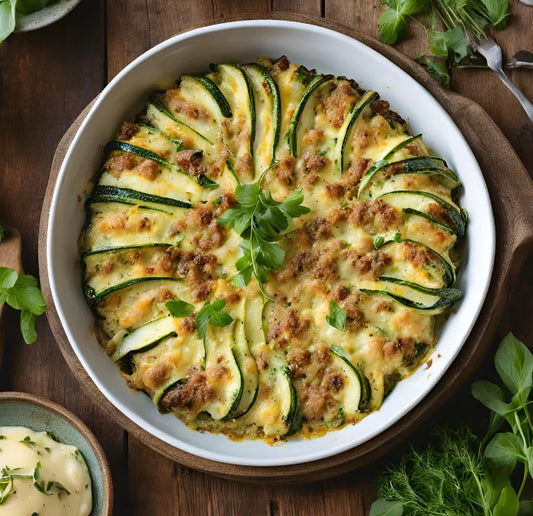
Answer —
212 314
21 292
260 220
392 25
337 316
179 308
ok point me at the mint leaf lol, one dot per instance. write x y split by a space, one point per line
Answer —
337 316
8 277
27 326
514 363
179 308
452 40
383 507
7 18
25 294
392 27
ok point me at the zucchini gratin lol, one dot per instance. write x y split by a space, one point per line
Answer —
268 250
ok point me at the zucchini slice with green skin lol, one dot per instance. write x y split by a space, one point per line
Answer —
104 193
268 115
203 93
415 296
236 88
115 267
118 249
276 376
248 369
355 393
303 116
202 180
94 298
417 203
447 270
220 353
160 227
155 112
154 130
379 176
175 381
341 156
145 337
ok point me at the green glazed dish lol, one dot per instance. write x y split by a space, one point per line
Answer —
39 414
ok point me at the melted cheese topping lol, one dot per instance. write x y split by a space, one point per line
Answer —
41 476
386 262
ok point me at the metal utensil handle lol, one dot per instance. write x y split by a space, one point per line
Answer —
526 103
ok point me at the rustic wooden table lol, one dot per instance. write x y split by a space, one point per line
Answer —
47 77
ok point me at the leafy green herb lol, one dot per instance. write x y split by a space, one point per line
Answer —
21 292
260 221
212 314
458 17
463 475
6 481
378 242
28 442
337 316
179 308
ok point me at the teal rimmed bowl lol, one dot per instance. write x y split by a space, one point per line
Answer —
39 414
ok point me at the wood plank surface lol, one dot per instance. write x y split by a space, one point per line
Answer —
47 77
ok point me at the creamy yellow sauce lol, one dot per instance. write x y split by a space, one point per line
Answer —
32 462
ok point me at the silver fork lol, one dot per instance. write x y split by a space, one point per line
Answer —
492 52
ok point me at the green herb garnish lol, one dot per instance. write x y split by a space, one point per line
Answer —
337 316
260 221
457 17
461 474
209 314
21 292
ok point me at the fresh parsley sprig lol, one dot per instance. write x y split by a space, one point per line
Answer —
260 221
337 316
213 314
21 292
463 474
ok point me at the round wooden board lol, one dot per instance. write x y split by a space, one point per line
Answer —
511 191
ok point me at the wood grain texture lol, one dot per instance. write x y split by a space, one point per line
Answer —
69 65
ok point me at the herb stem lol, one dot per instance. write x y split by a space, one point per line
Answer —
524 480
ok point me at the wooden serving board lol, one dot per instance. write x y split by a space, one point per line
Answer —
511 191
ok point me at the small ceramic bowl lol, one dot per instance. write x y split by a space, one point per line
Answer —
39 414
46 16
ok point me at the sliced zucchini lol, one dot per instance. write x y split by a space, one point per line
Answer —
378 176
229 385
145 337
117 145
341 153
177 379
106 193
355 392
94 298
415 296
268 115
248 369
304 115
417 203
237 89
154 130
204 93
115 225
106 269
118 249
160 116
439 271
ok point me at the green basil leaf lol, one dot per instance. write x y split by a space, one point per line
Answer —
392 27
25 294
508 503
337 316
27 326
452 40
514 363
179 308
383 507
8 277
491 395
7 18
505 449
